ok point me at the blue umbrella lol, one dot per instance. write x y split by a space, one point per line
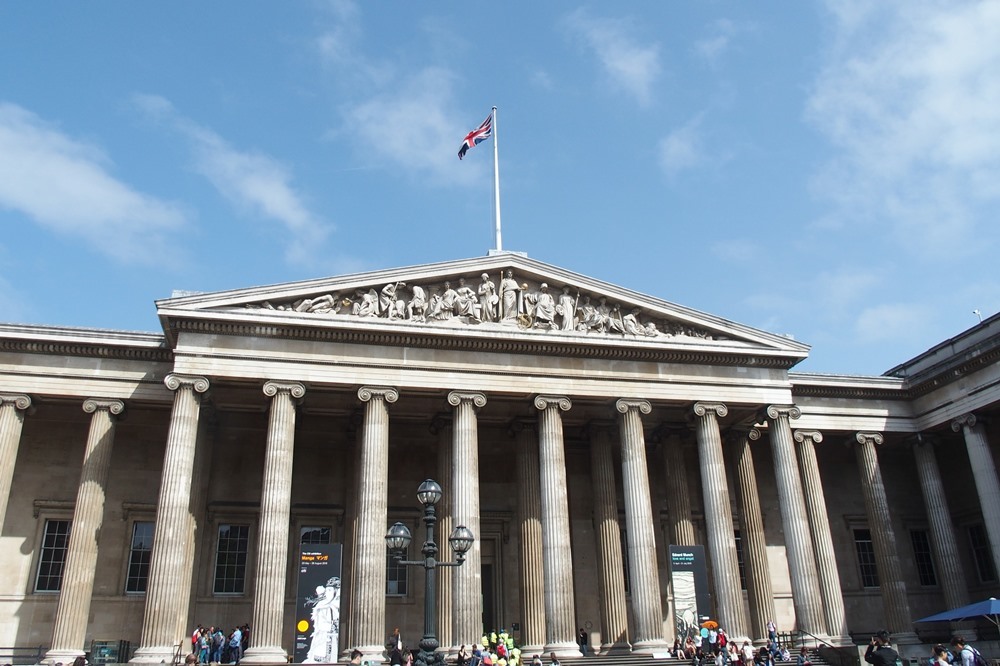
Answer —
990 609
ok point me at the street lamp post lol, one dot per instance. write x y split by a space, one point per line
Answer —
398 538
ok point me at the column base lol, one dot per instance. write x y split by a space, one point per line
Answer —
161 654
268 654
654 646
61 656
841 641
618 648
529 651
565 649
372 652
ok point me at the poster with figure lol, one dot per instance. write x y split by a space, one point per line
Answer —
317 617
689 577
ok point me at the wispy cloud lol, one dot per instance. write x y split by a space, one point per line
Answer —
67 186
253 182
683 148
719 41
891 322
629 65
910 99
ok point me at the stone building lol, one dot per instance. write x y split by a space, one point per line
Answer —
149 482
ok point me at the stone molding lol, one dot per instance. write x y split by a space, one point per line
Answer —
19 400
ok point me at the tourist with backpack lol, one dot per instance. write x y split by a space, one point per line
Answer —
965 654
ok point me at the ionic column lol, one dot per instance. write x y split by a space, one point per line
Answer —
951 578
560 607
890 574
529 514
467 585
167 596
12 408
806 596
611 571
275 516
368 597
984 472
822 540
73 612
759 591
445 509
719 518
678 492
352 461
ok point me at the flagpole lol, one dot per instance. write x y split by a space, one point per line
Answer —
496 181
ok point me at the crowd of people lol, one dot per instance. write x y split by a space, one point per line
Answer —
212 645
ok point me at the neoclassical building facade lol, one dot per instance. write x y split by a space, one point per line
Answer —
150 482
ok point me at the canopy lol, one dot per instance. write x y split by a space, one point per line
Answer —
990 609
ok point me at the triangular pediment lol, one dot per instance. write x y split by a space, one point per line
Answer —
504 295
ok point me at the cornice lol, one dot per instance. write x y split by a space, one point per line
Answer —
107 349
846 386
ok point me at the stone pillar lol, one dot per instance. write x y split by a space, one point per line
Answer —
275 517
611 570
644 573
560 606
352 461
806 596
73 612
951 578
445 510
822 539
167 596
373 514
719 519
678 493
760 593
529 513
893 588
984 472
467 580
12 408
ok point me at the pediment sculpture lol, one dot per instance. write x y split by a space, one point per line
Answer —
505 302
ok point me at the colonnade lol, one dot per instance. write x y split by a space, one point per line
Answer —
547 591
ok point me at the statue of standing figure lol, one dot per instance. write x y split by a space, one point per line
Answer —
510 292
567 308
488 299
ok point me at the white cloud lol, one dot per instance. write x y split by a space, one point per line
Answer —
630 65
715 46
910 98
891 322
67 186
683 148
251 181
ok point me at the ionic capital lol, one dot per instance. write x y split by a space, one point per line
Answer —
195 383
115 407
922 439
456 398
740 434
599 427
387 393
624 405
718 409
439 423
294 389
968 420
873 438
543 402
520 424
814 436
775 412
19 400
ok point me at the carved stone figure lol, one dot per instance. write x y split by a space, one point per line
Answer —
416 309
603 315
365 303
567 309
389 305
615 323
488 299
510 292
435 307
545 307
465 302
320 304
630 323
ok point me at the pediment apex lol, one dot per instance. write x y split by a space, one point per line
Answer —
532 298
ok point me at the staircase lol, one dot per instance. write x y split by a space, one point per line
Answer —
647 660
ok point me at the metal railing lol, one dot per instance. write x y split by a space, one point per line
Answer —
19 656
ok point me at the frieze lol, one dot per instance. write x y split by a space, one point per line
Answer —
504 302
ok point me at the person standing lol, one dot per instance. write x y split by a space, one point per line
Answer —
965 654
879 652
235 646
583 641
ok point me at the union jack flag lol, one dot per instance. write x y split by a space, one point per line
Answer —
476 136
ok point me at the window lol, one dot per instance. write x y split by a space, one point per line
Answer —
138 557
866 557
395 575
922 557
981 553
52 558
313 534
740 560
625 569
231 559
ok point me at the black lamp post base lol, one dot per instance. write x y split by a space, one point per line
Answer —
428 654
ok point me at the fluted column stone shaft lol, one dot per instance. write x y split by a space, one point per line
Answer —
951 577
760 594
611 571
822 539
560 606
373 512
529 510
12 408
719 518
806 596
349 612
275 516
167 596
467 599
678 492
445 511
73 611
984 472
890 573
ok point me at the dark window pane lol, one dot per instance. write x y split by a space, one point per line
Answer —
923 558
981 553
52 559
139 556
231 559
866 557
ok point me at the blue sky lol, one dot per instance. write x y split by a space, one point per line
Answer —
828 170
